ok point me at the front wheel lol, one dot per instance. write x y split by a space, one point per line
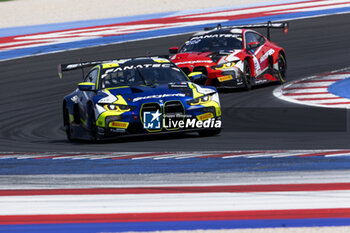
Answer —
92 126
247 77
67 126
282 69
209 132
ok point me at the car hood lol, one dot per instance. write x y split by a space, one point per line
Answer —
135 95
209 58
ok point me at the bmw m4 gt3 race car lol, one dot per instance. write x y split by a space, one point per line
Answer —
233 56
138 96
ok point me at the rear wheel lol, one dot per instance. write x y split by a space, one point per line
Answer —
282 69
66 122
247 77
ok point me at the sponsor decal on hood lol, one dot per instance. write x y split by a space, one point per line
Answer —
158 96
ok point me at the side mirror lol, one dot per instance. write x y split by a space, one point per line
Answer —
86 86
253 45
196 77
173 50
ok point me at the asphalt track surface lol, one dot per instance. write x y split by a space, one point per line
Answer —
31 99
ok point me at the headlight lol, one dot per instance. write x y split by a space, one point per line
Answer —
200 100
119 107
223 66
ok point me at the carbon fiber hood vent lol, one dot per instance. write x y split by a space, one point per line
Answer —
135 90
216 56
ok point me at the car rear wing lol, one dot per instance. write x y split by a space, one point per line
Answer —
74 66
269 25
81 65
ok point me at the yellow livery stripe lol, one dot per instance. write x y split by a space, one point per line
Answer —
109 65
161 60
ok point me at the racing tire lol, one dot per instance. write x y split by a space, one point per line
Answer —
247 76
209 132
67 127
92 126
282 69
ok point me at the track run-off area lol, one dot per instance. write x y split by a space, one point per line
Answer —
275 164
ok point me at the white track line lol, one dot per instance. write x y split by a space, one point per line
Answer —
183 202
269 8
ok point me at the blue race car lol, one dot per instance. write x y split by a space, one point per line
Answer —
147 95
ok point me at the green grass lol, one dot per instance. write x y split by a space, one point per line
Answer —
5 0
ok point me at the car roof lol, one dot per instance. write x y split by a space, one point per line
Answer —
133 61
219 31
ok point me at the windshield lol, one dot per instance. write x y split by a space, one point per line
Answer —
213 42
146 74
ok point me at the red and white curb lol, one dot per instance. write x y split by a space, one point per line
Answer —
232 202
263 197
172 155
313 91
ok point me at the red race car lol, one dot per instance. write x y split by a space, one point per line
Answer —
233 56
